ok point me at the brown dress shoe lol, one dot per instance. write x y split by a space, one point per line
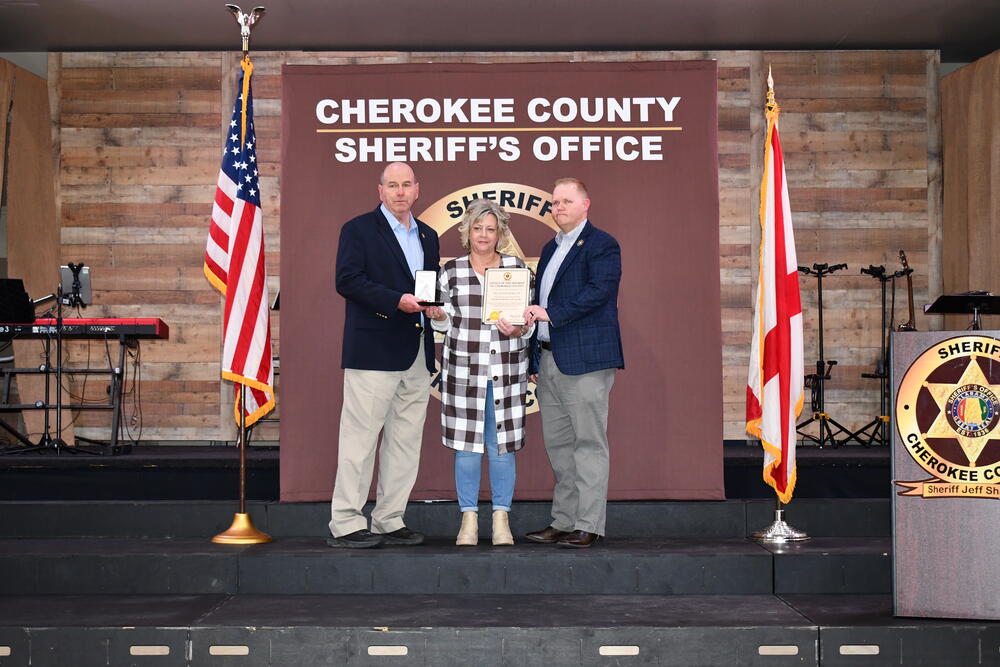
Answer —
548 535
579 539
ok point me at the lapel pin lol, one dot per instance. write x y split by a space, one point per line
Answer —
580 242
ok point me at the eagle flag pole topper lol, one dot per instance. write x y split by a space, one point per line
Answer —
247 22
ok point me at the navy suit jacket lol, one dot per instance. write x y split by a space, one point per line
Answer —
372 275
583 305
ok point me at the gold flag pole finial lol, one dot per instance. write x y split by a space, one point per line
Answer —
772 103
247 22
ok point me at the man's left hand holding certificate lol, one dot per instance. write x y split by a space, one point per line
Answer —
506 294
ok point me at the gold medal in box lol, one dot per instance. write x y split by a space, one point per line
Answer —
505 294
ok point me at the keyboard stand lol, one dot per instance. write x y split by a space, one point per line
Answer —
47 443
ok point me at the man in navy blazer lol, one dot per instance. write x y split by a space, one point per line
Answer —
388 357
575 350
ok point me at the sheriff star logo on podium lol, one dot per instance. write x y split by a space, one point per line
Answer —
948 418
968 410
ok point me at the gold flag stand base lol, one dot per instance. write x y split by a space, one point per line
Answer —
242 531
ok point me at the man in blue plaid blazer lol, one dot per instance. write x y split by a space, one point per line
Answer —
575 351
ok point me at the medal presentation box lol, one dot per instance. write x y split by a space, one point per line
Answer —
945 413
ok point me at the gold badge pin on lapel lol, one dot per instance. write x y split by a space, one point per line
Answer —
580 242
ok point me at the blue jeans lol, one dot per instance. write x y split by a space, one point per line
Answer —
468 467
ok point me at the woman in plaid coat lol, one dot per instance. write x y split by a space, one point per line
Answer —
484 376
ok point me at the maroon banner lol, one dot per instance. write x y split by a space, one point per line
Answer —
642 136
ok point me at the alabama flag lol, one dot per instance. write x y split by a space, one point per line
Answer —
775 384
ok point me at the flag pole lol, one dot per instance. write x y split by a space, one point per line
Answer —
778 532
242 530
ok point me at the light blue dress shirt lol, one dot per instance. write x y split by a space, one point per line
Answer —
564 242
409 240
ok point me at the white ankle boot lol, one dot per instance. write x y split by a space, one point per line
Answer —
501 529
468 534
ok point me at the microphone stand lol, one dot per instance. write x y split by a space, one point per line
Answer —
73 299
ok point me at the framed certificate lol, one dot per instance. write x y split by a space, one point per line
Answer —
505 294
425 288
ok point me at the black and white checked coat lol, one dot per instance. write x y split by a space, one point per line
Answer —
475 353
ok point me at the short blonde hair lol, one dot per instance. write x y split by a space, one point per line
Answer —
476 211
573 181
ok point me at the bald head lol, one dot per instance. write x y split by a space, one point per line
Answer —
398 189
396 169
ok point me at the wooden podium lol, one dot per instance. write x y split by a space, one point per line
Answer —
945 412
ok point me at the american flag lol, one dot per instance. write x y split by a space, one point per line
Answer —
234 262
775 390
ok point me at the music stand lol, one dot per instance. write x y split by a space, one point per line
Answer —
16 306
976 304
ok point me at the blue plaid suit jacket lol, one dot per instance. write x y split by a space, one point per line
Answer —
583 305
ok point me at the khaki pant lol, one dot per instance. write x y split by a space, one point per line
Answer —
575 427
394 402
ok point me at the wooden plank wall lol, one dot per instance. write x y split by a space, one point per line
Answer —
138 158
32 225
970 117
140 136
857 134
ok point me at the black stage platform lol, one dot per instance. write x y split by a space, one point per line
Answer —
126 581
208 473
471 630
